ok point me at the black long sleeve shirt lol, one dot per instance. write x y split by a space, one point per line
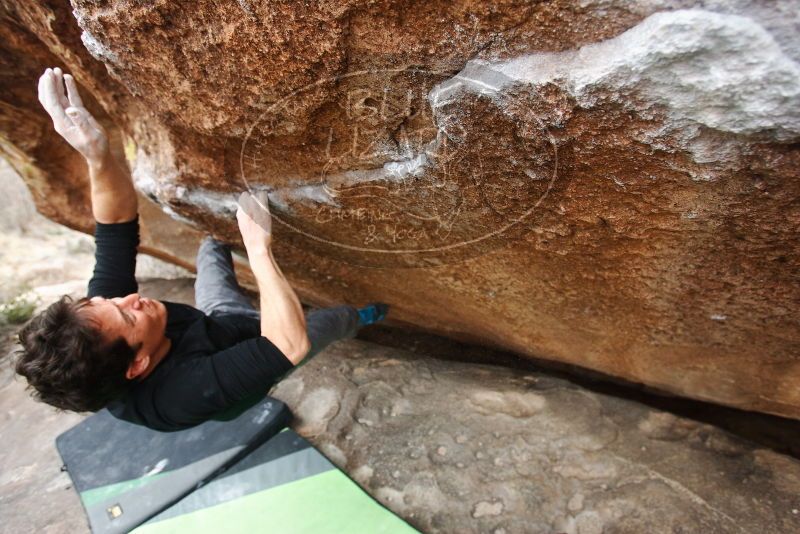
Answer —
214 363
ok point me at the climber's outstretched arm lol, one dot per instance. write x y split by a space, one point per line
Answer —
113 195
282 319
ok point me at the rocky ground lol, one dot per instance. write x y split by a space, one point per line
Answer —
448 442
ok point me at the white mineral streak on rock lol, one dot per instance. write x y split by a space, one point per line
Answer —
725 72
313 193
223 205
147 178
160 185
781 19
326 193
152 183
413 165
705 69
310 194
397 171
97 49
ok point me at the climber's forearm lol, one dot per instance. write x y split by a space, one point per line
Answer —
282 319
113 195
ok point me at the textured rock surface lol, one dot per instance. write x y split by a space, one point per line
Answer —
608 184
455 447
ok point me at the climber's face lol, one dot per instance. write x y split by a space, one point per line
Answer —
140 321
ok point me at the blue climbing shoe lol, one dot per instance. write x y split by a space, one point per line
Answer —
372 313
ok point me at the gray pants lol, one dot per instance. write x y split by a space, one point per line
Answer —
216 292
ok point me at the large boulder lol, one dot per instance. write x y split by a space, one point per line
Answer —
607 184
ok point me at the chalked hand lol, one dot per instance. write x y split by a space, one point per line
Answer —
255 221
70 118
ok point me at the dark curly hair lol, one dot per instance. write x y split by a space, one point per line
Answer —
66 361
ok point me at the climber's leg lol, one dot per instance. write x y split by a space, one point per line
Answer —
216 290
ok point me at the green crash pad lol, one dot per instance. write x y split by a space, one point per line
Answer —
284 487
126 473
247 474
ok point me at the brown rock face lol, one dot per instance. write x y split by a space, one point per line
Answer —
612 185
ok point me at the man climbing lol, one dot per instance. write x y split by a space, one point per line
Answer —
158 363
